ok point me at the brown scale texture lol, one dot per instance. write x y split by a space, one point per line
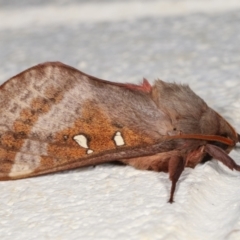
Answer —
94 125
55 94
21 128
135 139
28 115
47 162
41 104
99 131
7 161
9 141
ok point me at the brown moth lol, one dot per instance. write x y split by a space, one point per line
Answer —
54 117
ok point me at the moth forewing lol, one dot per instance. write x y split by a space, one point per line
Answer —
54 118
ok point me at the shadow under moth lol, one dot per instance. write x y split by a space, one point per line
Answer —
54 117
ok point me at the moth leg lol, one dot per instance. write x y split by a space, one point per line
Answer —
176 166
221 156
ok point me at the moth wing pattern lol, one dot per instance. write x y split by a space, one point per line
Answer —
53 117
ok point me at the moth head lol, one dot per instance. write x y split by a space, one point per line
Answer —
183 107
189 114
225 129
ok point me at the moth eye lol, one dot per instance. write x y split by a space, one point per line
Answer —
65 137
174 129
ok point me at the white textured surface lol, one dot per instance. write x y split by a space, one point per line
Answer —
108 11
119 202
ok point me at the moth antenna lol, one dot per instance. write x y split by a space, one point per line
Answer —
238 137
175 167
221 156
216 138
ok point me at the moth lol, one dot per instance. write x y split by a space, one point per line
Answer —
54 117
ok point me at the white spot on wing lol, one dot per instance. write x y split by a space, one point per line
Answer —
89 151
81 140
24 164
118 139
28 159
